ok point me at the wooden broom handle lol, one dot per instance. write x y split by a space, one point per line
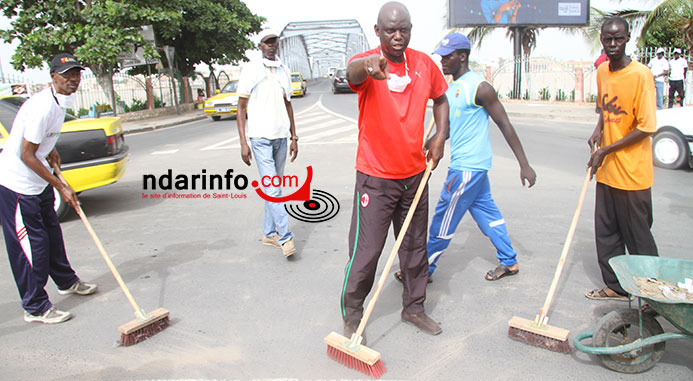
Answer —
393 253
566 246
102 250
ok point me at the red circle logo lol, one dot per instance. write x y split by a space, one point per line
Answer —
365 199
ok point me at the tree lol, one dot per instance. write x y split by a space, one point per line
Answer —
95 31
209 32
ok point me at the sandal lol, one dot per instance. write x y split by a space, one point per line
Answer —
500 272
398 276
600 294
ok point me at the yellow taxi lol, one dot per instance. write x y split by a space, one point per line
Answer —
224 103
92 151
298 85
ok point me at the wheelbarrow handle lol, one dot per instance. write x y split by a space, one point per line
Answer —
637 344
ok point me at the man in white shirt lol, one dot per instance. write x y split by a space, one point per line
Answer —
660 68
32 232
677 73
265 89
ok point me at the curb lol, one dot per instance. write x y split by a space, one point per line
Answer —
163 125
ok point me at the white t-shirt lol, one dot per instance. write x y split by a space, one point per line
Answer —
676 69
265 87
658 67
39 121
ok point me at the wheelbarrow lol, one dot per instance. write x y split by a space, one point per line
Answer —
630 340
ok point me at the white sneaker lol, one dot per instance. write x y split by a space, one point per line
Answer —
51 316
79 288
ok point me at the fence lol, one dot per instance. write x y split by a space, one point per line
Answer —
545 78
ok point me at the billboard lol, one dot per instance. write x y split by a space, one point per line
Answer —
468 13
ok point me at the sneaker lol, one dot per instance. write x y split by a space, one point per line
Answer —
271 241
51 316
350 327
422 322
79 288
288 248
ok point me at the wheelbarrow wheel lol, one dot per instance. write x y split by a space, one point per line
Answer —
623 327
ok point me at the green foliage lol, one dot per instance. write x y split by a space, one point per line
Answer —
70 111
158 103
561 95
592 98
95 31
137 105
664 33
209 32
526 96
545 94
82 112
572 95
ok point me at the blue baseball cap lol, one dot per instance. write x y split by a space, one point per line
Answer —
452 42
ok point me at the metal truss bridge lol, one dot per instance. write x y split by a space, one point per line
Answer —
317 48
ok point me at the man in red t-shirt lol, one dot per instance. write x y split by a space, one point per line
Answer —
393 84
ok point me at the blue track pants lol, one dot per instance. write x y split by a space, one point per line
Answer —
462 191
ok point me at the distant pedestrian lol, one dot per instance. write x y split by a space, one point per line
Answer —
677 74
660 68
200 96
601 59
622 158
264 87
33 236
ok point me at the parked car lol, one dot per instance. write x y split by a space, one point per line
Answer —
339 82
673 143
298 85
224 103
92 151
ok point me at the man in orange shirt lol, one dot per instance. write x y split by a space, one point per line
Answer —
393 83
623 158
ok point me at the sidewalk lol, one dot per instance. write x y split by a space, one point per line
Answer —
162 121
568 111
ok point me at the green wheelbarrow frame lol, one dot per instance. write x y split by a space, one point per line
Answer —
678 313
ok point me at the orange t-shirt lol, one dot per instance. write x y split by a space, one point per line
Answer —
391 124
627 100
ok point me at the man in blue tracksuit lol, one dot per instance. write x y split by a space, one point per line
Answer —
466 187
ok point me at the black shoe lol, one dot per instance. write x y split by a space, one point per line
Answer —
350 328
422 322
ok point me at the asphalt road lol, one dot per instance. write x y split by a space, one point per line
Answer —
240 310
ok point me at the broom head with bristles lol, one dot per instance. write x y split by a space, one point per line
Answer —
354 355
540 335
138 330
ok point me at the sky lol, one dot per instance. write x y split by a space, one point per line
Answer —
428 20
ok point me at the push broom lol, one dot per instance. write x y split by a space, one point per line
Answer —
538 332
145 325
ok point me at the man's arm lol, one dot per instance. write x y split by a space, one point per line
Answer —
436 145
293 148
486 96
597 157
246 154
374 66
29 158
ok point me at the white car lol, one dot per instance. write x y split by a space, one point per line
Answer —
673 143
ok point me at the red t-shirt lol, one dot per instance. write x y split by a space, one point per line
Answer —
391 125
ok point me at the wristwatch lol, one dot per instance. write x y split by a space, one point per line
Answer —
295 138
